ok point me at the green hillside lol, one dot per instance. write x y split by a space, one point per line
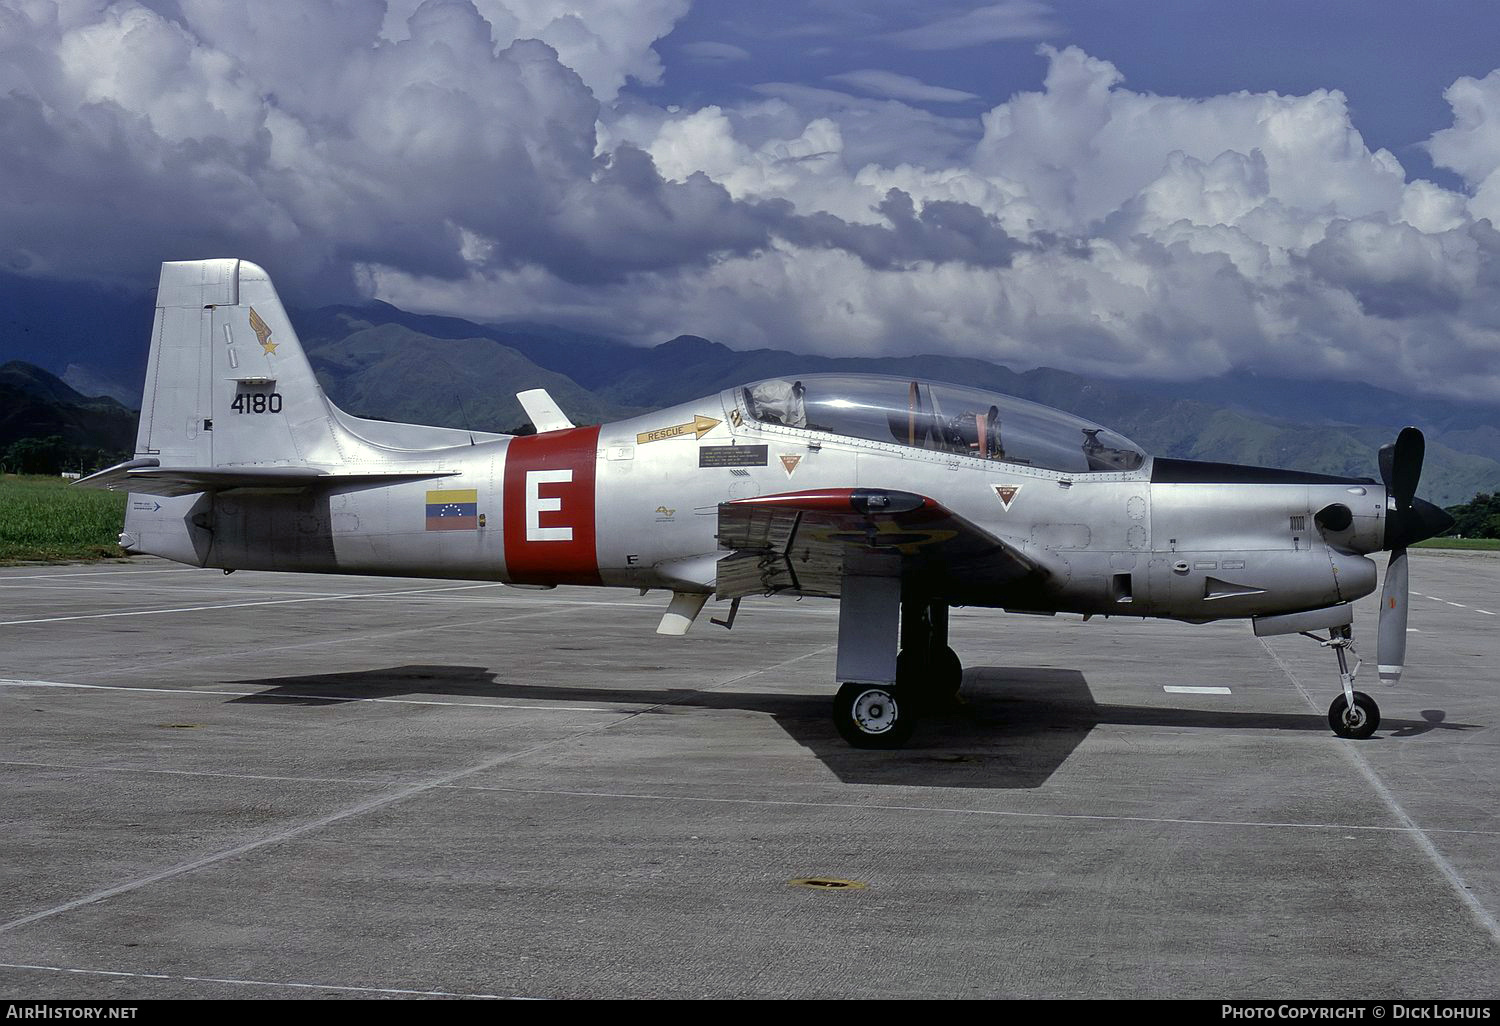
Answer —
47 427
395 373
35 404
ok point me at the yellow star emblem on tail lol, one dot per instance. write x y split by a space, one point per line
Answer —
262 331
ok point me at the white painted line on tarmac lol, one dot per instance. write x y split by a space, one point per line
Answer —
1456 605
114 768
257 589
1177 689
369 805
258 983
345 637
101 573
951 811
242 605
115 588
274 694
1351 751
398 794
630 601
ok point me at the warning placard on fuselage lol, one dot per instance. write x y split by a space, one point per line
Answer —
733 455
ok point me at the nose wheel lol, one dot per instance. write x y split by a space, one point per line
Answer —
1357 720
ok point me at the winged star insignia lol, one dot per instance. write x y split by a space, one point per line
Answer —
262 332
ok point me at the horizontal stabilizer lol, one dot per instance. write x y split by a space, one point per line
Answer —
147 477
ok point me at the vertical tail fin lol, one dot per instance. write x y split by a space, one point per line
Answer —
227 383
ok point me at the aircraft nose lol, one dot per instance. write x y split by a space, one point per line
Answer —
1407 527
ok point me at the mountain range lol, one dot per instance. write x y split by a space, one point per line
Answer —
36 404
375 360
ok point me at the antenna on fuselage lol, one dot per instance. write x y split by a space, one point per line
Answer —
465 414
458 398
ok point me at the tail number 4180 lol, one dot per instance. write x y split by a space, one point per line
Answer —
257 402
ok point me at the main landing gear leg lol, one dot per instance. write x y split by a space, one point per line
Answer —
871 711
927 667
1353 714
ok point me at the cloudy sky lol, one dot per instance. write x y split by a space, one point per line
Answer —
1173 188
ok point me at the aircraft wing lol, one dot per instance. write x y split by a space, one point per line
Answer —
803 543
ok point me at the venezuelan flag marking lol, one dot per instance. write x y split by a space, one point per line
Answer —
453 509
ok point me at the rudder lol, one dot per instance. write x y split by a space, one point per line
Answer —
227 381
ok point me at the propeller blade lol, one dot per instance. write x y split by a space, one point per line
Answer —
1390 640
1401 465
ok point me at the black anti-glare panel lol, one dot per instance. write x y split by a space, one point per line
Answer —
1168 471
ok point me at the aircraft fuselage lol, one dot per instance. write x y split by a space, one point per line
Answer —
633 504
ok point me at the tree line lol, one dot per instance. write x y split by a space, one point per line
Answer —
55 455
1477 518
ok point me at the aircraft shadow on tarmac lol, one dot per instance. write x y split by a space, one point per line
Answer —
1013 728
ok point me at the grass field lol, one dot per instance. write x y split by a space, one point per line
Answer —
45 519
1481 544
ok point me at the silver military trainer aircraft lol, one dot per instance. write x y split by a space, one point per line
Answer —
898 498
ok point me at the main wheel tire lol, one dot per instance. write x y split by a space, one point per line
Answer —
947 674
1357 723
873 715
934 682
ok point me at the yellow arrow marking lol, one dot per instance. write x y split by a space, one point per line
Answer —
698 426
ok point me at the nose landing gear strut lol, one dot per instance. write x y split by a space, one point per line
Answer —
1353 714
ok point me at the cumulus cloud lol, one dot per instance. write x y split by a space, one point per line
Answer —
604 41
1089 226
1472 146
308 139
478 157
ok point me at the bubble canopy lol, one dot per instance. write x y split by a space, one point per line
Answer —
940 418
